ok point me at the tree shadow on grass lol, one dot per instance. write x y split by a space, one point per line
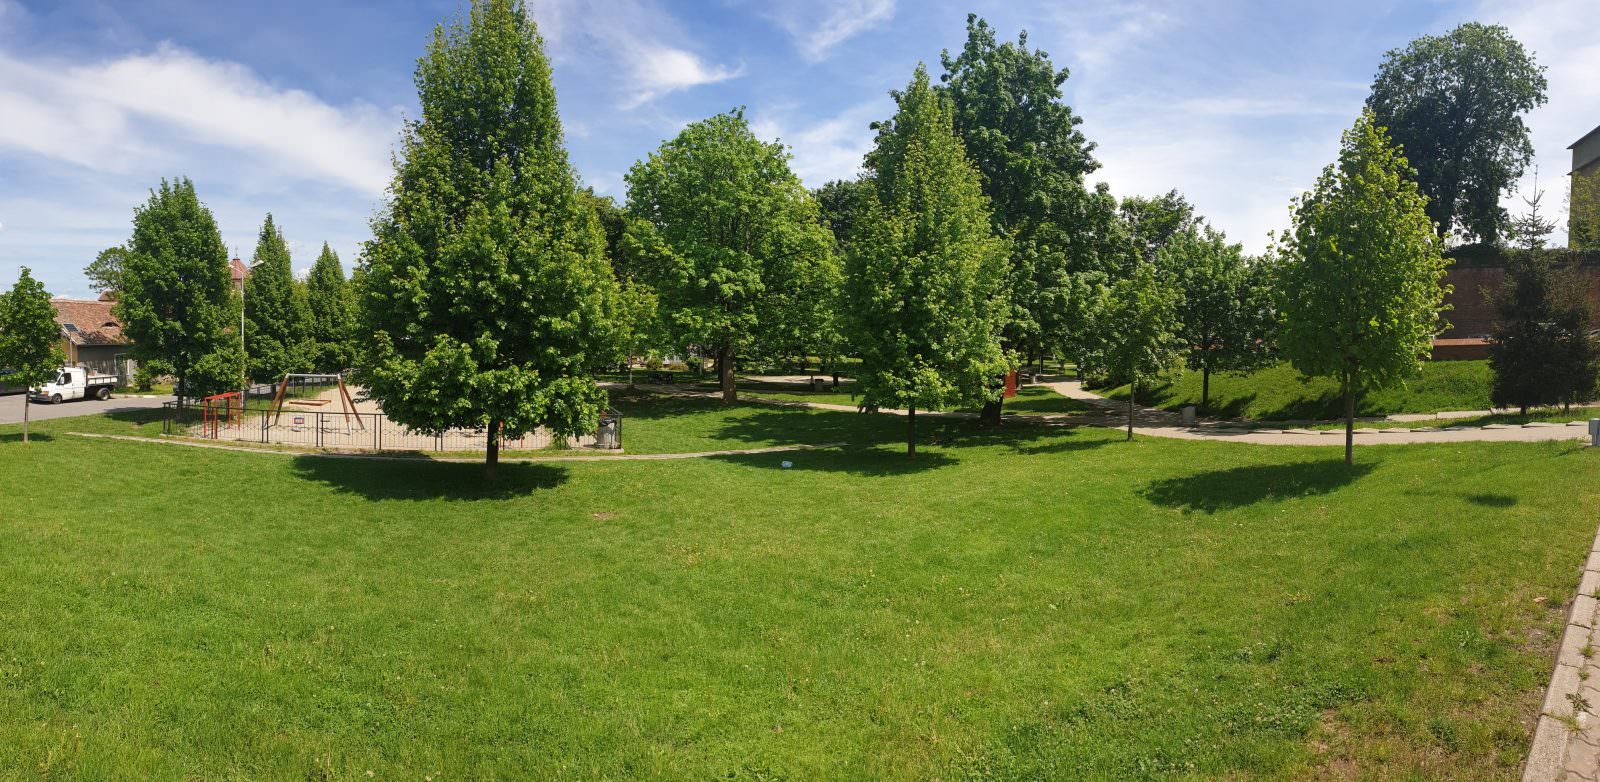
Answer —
426 479
16 437
1217 490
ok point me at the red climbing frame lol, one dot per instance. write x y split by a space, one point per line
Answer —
218 406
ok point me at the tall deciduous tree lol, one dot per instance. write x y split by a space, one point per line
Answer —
30 340
1541 352
277 321
1153 222
732 231
1225 307
1138 325
105 270
1360 288
485 287
177 303
329 307
1454 105
1583 215
925 274
1024 140
843 204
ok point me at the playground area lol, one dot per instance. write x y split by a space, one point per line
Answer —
321 411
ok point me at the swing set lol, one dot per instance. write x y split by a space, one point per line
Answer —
347 405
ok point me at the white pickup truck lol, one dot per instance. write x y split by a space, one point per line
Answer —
74 383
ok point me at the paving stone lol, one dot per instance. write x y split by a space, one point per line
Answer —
1494 426
1397 430
1583 610
1594 561
1563 682
1548 755
1572 643
1590 583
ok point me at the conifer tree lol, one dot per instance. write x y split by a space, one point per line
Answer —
277 322
925 273
486 287
1541 352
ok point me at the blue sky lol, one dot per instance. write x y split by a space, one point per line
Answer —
293 107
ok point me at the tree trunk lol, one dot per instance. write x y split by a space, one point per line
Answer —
1349 418
1133 391
990 415
911 432
1205 389
725 374
492 459
27 402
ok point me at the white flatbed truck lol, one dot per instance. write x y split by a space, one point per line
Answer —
74 383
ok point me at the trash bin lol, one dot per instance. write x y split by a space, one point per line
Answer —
605 436
1594 431
1188 415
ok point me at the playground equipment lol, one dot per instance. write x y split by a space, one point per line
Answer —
216 407
347 404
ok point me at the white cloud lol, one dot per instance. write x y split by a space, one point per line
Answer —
817 26
1100 33
151 110
829 149
639 37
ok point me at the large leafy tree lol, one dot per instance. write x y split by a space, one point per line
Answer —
1138 341
1541 352
330 308
177 303
1153 222
1031 156
277 321
843 203
1359 282
1583 217
485 287
106 269
1225 310
30 340
1454 104
733 234
925 272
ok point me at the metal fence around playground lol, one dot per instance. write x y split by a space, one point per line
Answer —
252 422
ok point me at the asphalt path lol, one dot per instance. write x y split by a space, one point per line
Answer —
11 407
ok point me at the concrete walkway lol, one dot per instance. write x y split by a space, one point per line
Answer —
1566 741
1161 423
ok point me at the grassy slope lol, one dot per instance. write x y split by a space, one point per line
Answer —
1281 393
1039 603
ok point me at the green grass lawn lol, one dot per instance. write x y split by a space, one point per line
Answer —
1034 602
1281 393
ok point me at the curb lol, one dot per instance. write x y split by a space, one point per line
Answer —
1564 740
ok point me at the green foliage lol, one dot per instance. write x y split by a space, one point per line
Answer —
177 303
731 234
277 320
1138 325
1531 230
1024 140
30 338
1153 222
926 274
1454 104
330 307
106 269
1225 311
1360 275
843 205
485 288
1583 214
1541 351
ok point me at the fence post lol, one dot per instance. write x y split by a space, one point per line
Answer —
319 428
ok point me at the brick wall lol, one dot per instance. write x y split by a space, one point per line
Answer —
1475 283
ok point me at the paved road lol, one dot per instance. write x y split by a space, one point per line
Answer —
11 407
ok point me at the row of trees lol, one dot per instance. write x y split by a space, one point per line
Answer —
290 325
495 286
